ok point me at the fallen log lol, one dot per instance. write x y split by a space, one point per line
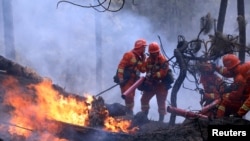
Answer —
79 133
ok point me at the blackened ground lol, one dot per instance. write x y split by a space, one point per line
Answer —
189 130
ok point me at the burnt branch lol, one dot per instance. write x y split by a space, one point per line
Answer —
178 82
64 1
105 4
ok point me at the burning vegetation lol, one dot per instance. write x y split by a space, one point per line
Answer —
36 108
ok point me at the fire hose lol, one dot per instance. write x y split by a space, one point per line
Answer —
210 106
190 114
133 87
184 113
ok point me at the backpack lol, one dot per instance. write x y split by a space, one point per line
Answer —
169 79
126 74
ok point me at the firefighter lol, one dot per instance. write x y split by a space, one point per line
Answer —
245 107
231 69
128 71
210 82
156 67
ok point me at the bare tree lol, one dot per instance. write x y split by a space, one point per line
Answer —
222 14
8 29
105 5
242 29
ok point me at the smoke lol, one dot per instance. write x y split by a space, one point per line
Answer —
60 43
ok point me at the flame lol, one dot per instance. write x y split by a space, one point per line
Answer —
57 107
118 125
38 105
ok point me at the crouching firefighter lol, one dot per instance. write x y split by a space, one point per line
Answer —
128 72
210 82
157 73
231 69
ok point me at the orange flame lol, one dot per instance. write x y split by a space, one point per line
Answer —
36 106
57 107
119 125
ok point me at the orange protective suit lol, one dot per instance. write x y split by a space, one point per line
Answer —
231 104
156 68
211 83
131 60
245 107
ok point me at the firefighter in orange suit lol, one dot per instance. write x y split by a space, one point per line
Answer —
245 107
156 67
231 69
131 63
210 82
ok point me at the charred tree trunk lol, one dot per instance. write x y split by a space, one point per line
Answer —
242 29
222 14
8 29
9 67
183 71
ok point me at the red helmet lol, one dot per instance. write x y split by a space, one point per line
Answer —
153 47
230 61
140 43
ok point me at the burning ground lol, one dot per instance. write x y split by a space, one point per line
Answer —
33 108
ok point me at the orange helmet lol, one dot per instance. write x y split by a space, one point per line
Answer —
153 47
140 43
230 61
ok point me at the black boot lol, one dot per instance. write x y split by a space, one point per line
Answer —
161 117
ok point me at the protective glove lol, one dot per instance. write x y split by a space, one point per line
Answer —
123 97
121 82
223 88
